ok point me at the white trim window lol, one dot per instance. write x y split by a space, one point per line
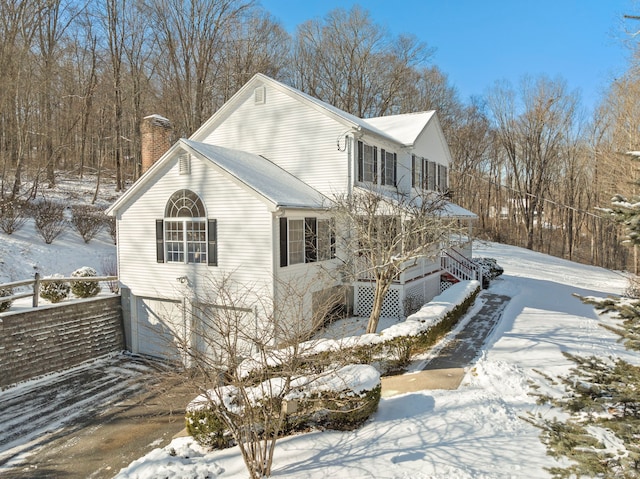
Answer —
367 163
185 235
307 240
389 167
296 241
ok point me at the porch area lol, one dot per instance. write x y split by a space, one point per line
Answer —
420 282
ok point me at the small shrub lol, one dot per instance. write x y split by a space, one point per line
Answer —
334 410
54 291
207 429
5 305
85 289
13 215
110 222
341 410
87 221
490 267
49 220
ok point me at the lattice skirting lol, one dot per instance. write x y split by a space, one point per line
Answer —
401 300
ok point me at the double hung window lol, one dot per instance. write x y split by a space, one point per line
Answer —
389 161
185 235
306 240
367 163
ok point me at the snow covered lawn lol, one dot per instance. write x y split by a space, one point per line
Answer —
473 432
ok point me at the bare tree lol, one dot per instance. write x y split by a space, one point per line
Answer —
191 36
387 234
256 43
244 361
350 62
530 134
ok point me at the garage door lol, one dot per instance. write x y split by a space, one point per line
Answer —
160 328
221 332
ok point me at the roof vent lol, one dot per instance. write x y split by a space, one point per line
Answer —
259 95
184 164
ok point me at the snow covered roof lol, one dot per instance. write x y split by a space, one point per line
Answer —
404 128
452 210
261 175
445 209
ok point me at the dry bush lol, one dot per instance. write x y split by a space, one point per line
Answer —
87 221
49 219
13 215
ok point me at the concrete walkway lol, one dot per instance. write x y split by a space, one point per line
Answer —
446 370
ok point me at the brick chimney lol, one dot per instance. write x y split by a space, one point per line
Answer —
155 131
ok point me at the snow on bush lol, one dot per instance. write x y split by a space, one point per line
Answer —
54 291
5 305
450 304
85 289
340 399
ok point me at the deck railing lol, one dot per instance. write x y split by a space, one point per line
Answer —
460 266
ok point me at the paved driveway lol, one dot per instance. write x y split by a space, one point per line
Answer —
90 421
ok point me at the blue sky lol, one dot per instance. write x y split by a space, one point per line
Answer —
479 42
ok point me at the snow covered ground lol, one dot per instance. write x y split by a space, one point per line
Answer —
476 431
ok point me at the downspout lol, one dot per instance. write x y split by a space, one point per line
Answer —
278 213
356 132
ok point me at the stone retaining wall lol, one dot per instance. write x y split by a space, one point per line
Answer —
56 337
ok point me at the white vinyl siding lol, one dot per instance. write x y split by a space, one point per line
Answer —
297 137
244 233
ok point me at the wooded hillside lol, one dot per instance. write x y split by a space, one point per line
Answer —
77 78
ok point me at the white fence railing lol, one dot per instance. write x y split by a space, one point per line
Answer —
37 281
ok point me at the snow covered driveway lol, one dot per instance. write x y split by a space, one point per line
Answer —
43 421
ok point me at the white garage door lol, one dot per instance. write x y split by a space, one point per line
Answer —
160 328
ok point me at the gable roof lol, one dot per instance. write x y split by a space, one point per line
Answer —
264 177
256 173
403 129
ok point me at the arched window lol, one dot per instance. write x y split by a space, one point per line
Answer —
185 233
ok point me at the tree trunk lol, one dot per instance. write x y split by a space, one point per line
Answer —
382 287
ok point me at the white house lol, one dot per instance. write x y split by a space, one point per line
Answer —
237 197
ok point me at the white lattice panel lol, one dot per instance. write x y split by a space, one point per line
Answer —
401 300
390 307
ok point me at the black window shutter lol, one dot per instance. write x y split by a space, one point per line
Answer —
212 258
160 241
375 164
383 166
360 160
395 169
284 243
413 171
310 240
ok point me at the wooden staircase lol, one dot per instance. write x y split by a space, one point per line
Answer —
459 268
